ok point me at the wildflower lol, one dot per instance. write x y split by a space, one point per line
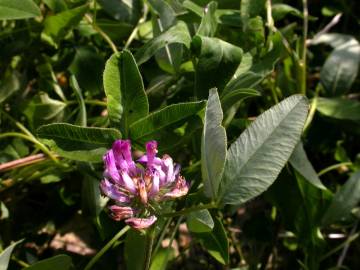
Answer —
137 189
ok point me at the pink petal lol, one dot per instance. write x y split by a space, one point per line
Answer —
110 166
141 223
120 212
108 189
128 182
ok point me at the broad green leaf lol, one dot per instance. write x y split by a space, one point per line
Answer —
168 58
344 200
81 118
213 146
279 11
217 62
158 120
200 221
78 143
135 250
339 108
178 33
59 262
341 68
88 66
302 165
208 23
127 100
216 242
43 110
9 84
256 158
237 95
57 26
6 254
162 258
18 9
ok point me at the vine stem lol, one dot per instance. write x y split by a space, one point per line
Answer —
106 247
136 29
189 210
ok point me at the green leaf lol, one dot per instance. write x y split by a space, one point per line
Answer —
216 242
178 33
341 68
127 100
6 254
59 262
217 62
170 57
344 201
200 221
56 5
43 110
78 143
208 23
161 259
18 9
88 66
135 250
237 95
213 146
124 11
81 119
158 120
9 84
256 158
251 8
279 11
302 165
339 108
57 26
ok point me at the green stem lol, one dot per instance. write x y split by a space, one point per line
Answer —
33 140
106 247
90 102
302 63
162 235
189 210
333 167
136 29
150 235
101 32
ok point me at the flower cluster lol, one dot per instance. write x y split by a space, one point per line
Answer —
136 189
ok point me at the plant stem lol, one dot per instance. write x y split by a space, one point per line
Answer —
189 210
333 167
150 235
343 244
33 140
106 247
302 63
136 29
101 32
162 235
90 102
22 162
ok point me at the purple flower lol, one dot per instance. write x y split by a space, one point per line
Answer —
137 189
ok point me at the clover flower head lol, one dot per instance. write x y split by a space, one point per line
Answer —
136 189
